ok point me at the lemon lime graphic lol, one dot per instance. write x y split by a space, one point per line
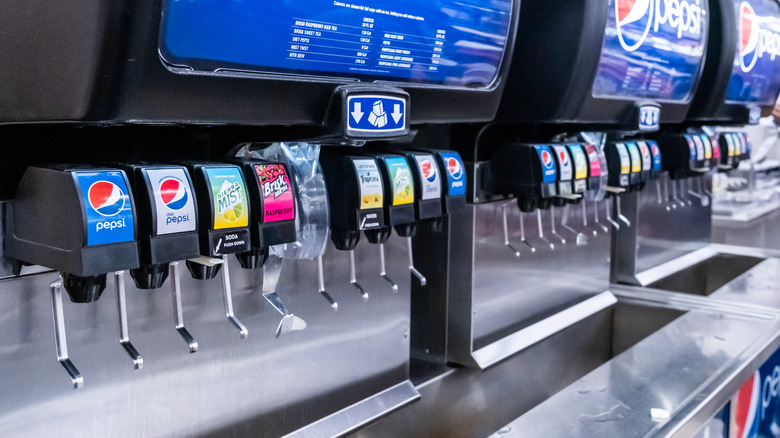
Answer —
234 213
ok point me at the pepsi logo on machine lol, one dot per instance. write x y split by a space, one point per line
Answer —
754 41
637 18
108 209
173 193
547 159
454 167
106 198
429 170
652 49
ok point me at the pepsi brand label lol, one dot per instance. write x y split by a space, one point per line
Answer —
638 35
580 161
647 160
754 77
400 180
369 184
593 160
109 212
636 159
549 172
625 160
231 208
456 173
278 200
429 176
566 168
691 146
173 201
656 155
755 408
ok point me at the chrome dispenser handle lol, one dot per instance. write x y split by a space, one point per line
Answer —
228 298
178 312
321 285
506 236
353 275
60 340
124 332
383 271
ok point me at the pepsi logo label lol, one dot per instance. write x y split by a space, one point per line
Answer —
547 159
636 19
173 200
430 184
106 198
108 209
454 167
548 164
456 174
754 41
566 172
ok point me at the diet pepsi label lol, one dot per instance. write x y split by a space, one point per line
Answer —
647 160
566 167
699 147
173 201
652 49
108 210
429 176
549 170
456 173
754 77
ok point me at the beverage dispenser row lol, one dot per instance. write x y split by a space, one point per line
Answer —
148 218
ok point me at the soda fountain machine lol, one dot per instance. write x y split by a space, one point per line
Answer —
219 90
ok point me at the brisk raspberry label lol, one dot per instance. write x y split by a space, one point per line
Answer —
278 200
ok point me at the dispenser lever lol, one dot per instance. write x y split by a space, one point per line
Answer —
383 270
178 312
506 233
60 340
353 275
228 298
124 332
321 285
271 272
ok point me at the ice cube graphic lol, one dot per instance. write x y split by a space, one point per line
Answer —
378 116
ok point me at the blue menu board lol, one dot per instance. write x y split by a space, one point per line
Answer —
755 76
451 42
653 49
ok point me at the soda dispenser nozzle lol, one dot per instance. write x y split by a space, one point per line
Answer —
124 332
178 311
271 272
92 234
223 218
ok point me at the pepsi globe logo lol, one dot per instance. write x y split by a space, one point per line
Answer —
564 158
754 42
173 193
636 18
454 167
547 159
106 198
429 171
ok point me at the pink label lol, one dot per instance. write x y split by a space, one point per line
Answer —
593 159
278 201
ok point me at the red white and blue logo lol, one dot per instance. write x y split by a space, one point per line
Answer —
547 159
748 37
745 406
108 209
635 19
106 198
173 193
429 170
564 158
454 167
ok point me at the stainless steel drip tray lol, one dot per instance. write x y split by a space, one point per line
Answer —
706 270
673 360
